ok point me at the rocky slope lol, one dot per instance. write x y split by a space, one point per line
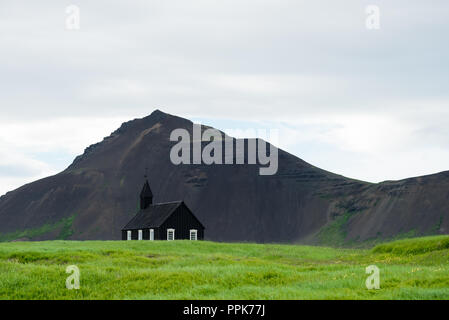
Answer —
98 194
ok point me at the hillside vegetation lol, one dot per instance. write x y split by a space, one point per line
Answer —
409 269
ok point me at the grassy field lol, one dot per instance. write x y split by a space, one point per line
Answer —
409 269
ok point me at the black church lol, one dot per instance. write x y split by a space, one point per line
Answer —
162 221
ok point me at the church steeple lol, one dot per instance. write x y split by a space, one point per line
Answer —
146 196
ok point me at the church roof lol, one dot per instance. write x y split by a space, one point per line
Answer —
153 216
146 190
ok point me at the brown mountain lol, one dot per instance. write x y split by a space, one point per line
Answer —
98 194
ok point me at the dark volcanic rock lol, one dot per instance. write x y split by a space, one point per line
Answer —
101 188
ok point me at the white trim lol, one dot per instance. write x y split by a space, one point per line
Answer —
193 234
128 235
151 234
168 233
140 235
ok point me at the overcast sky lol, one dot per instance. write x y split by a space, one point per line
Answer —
368 104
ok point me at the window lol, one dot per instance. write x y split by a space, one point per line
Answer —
128 234
140 235
193 234
151 234
170 234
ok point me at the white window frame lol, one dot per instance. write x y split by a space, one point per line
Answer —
168 233
140 235
151 234
195 233
128 235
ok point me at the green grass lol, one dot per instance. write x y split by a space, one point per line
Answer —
415 246
409 269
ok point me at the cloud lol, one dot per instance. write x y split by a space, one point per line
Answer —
372 98
37 149
366 147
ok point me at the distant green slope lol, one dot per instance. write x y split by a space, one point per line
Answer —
409 269
62 227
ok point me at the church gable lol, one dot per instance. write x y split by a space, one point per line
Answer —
162 221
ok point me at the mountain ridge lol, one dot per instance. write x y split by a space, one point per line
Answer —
300 203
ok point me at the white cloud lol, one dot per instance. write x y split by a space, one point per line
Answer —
34 150
370 98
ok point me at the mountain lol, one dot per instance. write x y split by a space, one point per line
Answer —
98 194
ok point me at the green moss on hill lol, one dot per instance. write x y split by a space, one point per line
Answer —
65 226
334 233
